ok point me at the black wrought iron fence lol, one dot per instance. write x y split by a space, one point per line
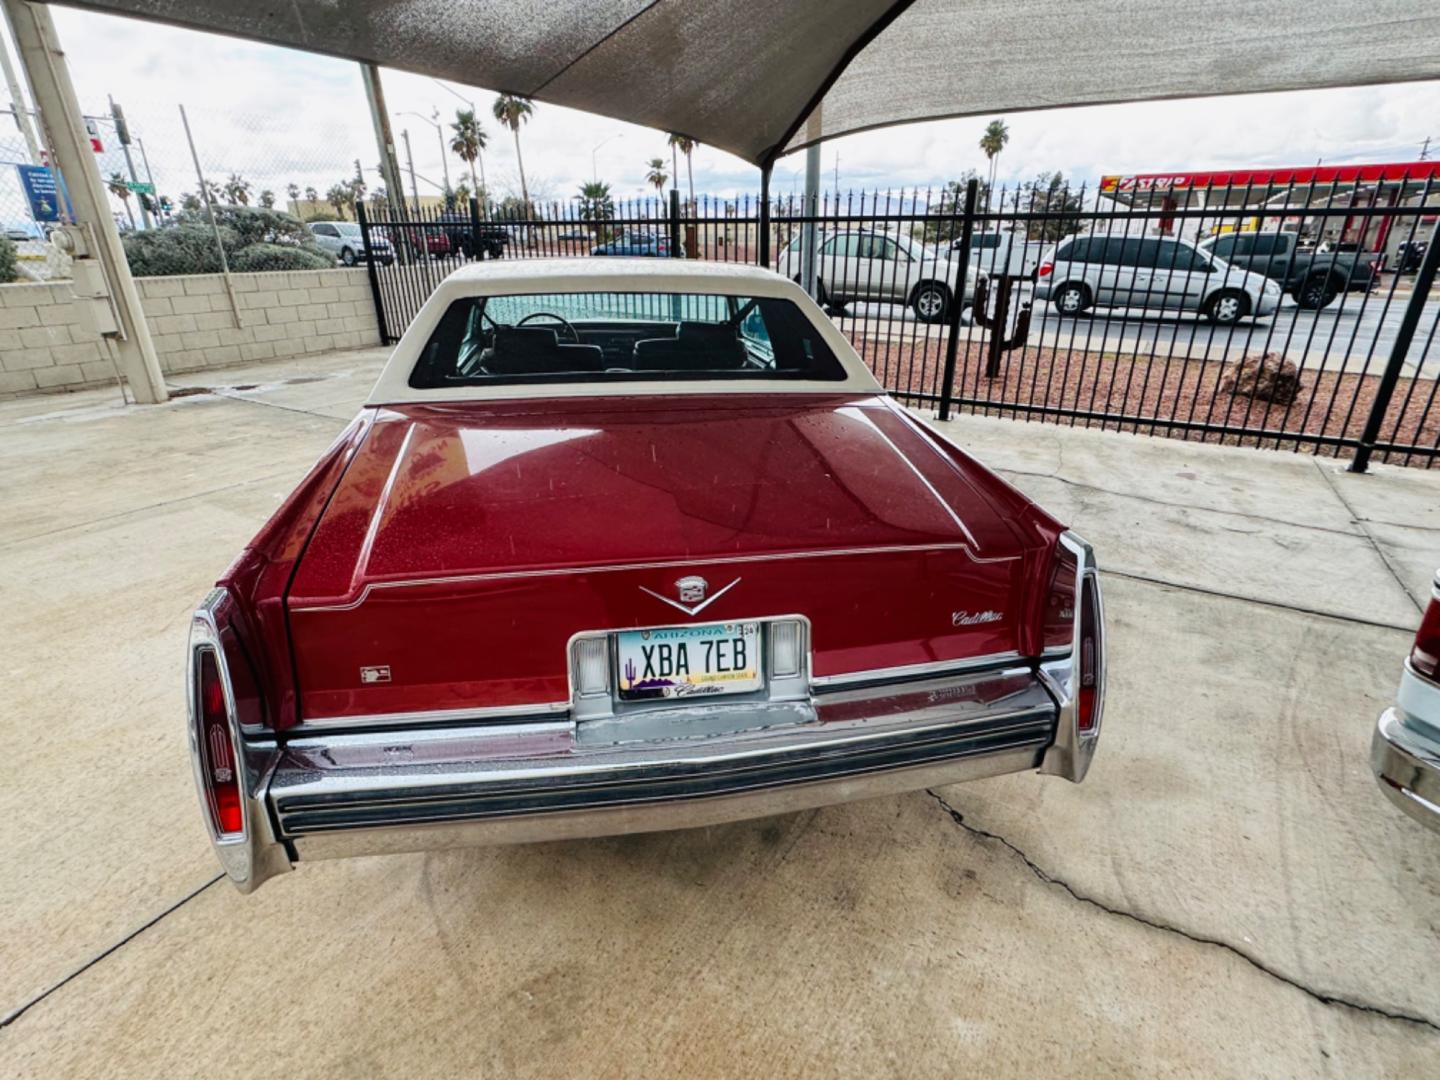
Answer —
1294 316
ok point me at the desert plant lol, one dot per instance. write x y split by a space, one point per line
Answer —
260 258
9 260
182 249
254 225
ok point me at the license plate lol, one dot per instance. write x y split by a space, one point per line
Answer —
688 661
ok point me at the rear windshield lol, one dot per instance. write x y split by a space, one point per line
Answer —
622 336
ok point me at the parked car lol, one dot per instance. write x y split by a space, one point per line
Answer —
465 238
1313 278
1409 254
1405 751
346 241
616 549
1003 254
859 265
22 231
643 244
1151 273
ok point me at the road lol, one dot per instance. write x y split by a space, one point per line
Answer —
1340 337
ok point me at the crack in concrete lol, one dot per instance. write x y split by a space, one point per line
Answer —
1276 604
1369 537
1321 996
21 1010
1152 500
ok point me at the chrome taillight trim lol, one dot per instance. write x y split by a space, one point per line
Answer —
251 855
1072 751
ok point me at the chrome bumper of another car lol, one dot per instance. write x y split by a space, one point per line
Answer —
363 792
1406 763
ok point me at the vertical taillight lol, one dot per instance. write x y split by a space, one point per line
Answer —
1425 653
1058 619
1087 714
220 773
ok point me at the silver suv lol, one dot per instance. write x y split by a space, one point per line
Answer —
870 266
346 242
1151 273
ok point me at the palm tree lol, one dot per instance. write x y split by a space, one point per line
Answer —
267 199
293 191
237 190
596 205
512 110
469 141
992 142
340 196
120 188
657 174
214 191
686 146
311 195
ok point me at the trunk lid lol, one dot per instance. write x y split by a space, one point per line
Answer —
466 545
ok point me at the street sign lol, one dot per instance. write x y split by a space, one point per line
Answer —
140 187
39 185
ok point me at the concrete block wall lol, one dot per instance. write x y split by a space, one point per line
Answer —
282 315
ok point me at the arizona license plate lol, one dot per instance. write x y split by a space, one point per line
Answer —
688 661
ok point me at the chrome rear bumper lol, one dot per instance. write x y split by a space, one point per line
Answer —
374 792
1407 766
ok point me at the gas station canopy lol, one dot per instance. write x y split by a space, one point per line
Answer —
765 77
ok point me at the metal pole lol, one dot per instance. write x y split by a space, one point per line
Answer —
210 212
374 274
410 163
384 139
675 251
765 215
1404 334
17 102
45 69
957 299
444 161
809 235
122 133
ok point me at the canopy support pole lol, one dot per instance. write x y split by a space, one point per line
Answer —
112 288
765 214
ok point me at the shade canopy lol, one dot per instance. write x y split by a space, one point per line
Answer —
764 77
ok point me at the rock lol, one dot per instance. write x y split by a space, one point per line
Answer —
1268 377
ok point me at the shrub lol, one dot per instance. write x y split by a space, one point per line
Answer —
253 224
178 249
258 258
9 269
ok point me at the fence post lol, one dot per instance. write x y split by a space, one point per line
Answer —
765 216
967 228
364 220
1403 336
476 247
675 251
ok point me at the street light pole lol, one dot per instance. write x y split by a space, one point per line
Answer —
410 163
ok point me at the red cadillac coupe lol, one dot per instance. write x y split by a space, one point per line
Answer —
626 546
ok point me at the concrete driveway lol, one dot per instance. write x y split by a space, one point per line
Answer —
1226 895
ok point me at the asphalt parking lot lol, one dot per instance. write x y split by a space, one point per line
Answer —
1226 895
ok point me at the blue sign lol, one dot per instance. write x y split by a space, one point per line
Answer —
40 189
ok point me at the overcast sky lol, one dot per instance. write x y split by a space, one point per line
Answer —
278 116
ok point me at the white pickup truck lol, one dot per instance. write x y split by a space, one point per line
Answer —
1003 254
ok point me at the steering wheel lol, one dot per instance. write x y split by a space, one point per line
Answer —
574 334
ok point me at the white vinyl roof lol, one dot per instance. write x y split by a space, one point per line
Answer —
765 77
